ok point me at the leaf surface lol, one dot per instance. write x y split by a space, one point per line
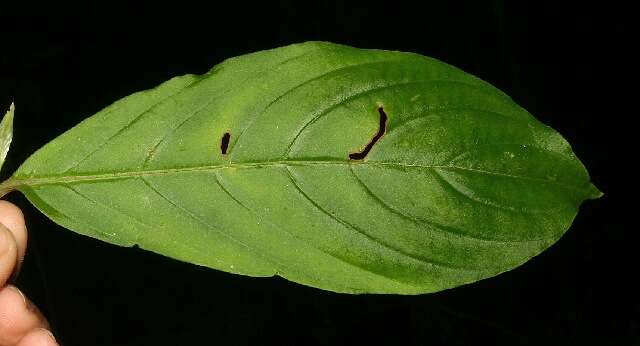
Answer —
351 170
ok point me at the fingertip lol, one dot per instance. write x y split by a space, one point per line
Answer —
8 254
18 316
9 209
12 218
38 337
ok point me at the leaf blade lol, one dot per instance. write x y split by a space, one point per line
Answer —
464 184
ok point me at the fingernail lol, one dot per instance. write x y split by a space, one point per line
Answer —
49 334
17 290
7 242
5 239
27 303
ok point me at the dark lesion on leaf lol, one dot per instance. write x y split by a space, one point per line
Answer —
224 143
383 127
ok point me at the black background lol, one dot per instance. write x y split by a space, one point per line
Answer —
567 64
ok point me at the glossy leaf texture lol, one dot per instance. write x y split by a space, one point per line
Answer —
247 169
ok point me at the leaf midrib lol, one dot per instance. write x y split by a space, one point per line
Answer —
16 182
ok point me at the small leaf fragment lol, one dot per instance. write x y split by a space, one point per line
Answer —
6 133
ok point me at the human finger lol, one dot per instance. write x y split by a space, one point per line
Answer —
12 218
38 337
18 316
8 254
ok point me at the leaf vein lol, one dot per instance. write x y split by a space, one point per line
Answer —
300 85
126 215
131 122
206 224
17 181
428 262
457 190
322 112
433 225
152 152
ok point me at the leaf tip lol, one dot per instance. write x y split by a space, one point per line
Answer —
8 116
594 192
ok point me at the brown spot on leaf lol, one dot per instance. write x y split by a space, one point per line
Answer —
224 143
383 127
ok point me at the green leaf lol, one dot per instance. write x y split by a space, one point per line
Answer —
6 133
247 169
